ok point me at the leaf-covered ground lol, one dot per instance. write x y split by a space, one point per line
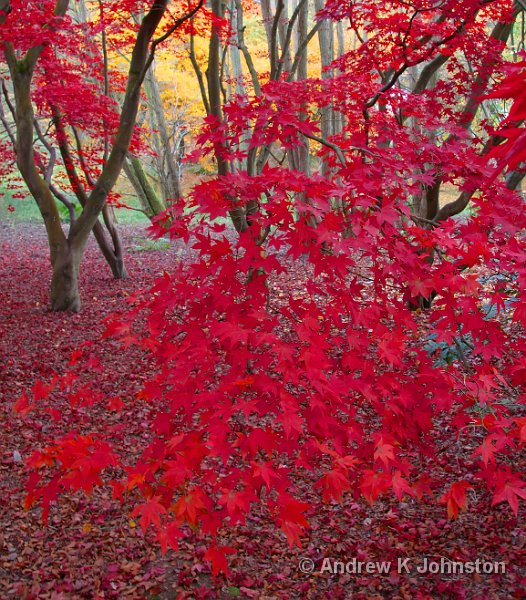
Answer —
92 549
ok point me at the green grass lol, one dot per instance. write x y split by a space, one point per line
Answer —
127 216
26 211
149 245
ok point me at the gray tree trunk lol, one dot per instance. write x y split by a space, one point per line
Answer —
326 41
151 203
237 70
167 168
299 156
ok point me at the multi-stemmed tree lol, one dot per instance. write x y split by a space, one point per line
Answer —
51 66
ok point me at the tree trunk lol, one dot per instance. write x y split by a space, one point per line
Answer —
213 77
117 252
237 76
299 156
5 9
152 204
64 282
268 17
168 170
339 119
282 31
428 206
326 40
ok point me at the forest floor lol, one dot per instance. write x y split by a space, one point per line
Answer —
91 549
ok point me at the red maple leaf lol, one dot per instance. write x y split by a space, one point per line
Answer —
509 487
217 556
455 498
150 513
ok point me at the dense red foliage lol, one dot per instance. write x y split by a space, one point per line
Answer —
512 153
89 548
294 372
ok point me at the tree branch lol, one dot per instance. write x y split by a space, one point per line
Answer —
428 71
177 24
246 54
274 40
334 147
288 36
301 49
51 151
82 160
76 184
199 74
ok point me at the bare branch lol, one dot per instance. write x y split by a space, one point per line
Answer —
199 74
222 73
274 40
141 59
82 160
5 91
398 72
334 147
51 151
6 125
514 178
63 198
428 71
106 88
243 47
76 184
301 50
288 36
